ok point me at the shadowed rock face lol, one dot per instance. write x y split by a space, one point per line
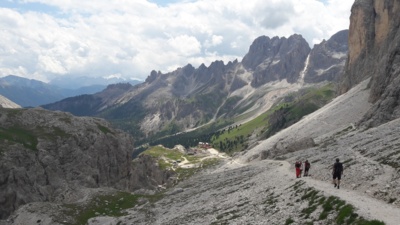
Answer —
276 59
326 60
374 51
50 156
44 155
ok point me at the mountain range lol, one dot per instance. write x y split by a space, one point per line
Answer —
31 93
190 97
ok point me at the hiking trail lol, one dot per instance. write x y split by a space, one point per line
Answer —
366 206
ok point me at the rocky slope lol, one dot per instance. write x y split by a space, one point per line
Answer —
55 157
189 97
326 60
252 189
7 103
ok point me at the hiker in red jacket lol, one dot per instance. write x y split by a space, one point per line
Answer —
297 165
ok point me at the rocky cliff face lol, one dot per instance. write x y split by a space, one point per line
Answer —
327 59
51 156
374 52
276 59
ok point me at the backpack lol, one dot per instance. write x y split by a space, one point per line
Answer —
307 165
297 164
338 167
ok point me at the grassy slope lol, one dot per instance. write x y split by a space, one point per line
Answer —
230 139
285 113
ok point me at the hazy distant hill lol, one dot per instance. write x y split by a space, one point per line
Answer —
28 92
76 83
32 93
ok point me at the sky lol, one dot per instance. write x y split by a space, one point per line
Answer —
44 39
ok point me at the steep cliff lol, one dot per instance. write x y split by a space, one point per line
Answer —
327 59
276 59
374 51
52 156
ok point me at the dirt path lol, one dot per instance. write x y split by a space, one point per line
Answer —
366 206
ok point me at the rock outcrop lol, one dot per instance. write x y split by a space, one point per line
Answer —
148 174
49 158
374 51
276 59
327 59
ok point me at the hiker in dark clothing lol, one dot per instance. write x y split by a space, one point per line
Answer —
307 167
337 173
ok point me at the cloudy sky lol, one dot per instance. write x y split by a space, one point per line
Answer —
42 39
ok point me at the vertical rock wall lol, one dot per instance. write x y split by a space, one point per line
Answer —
374 51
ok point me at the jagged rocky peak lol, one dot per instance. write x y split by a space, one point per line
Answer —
276 59
124 86
339 41
374 51
153 76
261 48
217 64
264 47
202 67
232 63
187 70
327 59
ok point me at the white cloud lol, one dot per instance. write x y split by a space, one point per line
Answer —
185 45
213 41
133 37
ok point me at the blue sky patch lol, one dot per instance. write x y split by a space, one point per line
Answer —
31 7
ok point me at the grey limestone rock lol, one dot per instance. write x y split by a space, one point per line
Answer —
276 59
46 156
374 52
327 59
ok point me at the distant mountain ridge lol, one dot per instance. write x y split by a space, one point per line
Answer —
189 97
28 92
67 82
32 93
